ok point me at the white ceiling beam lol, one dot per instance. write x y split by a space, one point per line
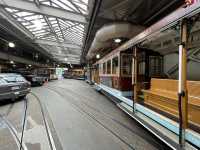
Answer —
44 10
52 43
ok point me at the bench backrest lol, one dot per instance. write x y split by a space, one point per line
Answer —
172 86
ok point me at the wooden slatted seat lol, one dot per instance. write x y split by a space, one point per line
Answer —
163 95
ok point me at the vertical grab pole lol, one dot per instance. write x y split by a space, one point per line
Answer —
182 84
134 77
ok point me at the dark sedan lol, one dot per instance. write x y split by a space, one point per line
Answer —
34 79
13 86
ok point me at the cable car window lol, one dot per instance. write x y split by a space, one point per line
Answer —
115 65
126 64
155 63
141 68
109 67
99 65
104 68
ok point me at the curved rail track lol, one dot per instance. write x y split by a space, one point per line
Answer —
48 131
13 131
10 126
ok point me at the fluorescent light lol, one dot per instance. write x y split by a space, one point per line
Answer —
58 65
117 40
29 65
11 44
12 62
97 56
65 59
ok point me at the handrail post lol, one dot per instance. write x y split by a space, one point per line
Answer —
182 84
134 77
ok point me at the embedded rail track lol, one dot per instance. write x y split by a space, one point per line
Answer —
10 126
13 131
47 128
79 107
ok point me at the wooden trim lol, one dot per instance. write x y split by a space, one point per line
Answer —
135 74
184 40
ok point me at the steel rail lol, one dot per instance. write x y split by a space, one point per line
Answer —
47 128
12 129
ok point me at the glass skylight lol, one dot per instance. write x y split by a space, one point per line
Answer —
52 29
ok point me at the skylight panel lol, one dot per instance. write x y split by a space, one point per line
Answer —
69 4
23 14
39 31
51 18
82 6
46 3
62 5
25 23
53 22
11 10
34 17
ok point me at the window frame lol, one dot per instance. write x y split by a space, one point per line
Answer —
117 67
110 69
121 65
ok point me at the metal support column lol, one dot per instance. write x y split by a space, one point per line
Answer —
182 90
134 77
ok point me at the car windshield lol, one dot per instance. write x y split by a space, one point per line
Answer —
20 79
14 79
2 81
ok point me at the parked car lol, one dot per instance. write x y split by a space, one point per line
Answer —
67 75
35 79
13 86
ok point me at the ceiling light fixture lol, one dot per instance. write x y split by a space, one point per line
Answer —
118 40
12 62
11 44
97 56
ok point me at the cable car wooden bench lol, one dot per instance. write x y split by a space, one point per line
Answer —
163 96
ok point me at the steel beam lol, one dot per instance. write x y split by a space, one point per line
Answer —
52 43
44 10
6 56
64 55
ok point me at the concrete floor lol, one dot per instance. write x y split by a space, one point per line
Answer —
78 118
84 119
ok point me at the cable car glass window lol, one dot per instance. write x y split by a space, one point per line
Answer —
141 68
100 68
109 67
126 64
115 65
155 63
104 68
